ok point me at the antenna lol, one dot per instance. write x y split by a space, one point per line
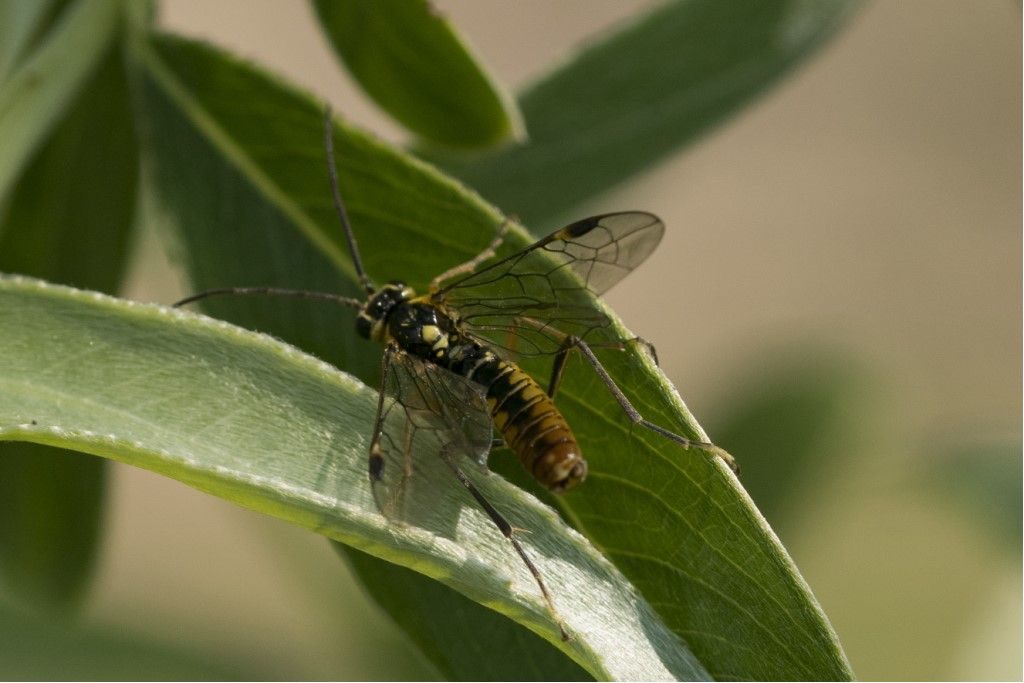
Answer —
355 304
339 205
348 302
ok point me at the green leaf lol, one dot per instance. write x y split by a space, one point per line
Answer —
35 96
243 186
254 421
19 23
634 96
70 215
37 650
69 219
411 61
982 477
464 640
789 410
51 509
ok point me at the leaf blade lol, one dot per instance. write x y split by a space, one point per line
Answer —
19 22
630 98
51 513
414 64
91 654
292 445
67 222
37 93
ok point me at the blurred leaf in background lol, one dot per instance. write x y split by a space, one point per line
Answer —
982 478
409 58
788 414
38 89
635 95
35 648
67 219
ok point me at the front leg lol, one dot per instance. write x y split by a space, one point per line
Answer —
472 264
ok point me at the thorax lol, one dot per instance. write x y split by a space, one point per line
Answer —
427 331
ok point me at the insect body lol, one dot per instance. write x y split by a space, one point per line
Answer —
522 411
448 374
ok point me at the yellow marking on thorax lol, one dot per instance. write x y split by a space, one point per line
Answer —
437 339
430 333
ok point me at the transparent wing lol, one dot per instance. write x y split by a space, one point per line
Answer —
425 410
528 302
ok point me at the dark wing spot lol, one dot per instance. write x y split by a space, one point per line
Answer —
376 466
581 227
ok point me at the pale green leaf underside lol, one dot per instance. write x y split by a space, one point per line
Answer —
254 421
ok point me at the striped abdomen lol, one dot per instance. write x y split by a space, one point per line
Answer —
533 427
524 414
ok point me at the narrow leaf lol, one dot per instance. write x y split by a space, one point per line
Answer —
68 219
249 419
633 97
51 510
70 215
802 399
35 96
411 61
980 476
19 22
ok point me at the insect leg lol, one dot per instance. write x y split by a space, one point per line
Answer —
471 265
568 345
509 533
572 342
647 345
559 367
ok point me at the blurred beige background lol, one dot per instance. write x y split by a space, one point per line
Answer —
870 205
